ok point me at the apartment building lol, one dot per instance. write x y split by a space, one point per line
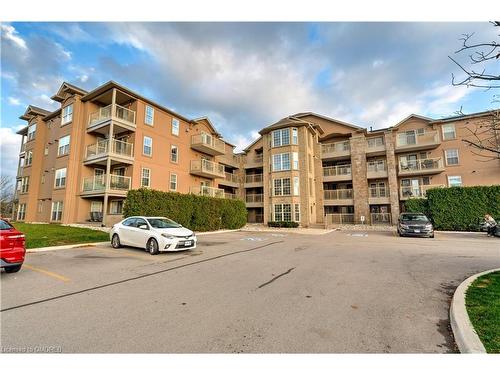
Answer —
77 163
320 171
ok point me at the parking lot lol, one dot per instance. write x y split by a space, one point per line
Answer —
256 292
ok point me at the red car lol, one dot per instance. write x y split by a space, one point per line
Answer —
12 247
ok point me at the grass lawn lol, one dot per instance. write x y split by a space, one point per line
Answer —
483 306
42 235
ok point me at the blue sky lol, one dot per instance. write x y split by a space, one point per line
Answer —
244 76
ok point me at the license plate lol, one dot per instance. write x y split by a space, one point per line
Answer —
417 230
188 243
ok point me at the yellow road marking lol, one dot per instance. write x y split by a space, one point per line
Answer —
48 273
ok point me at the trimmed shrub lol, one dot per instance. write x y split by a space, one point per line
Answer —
283 224
458 208
195 212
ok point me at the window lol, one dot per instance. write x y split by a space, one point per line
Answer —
116 207
174 154
129 222
145 177
96 206
310 186
449 132
295 186
63 147
173 182
149 115
31 132
454 181
281 162
60 178
21 161
375 142
282 186
21 211
46 151
40 207
295 160
175 126
29 158
25 184
147 146
283 212
451 157
57 208
67 114
297 212
295 136
281 137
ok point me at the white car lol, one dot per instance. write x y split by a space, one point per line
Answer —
154 234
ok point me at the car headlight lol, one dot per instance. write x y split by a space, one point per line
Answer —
404 226
168 236
428 226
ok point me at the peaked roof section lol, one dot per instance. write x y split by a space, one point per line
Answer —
210 125
409 117
290 120
304 114
246 149
33 111
67 88
464 117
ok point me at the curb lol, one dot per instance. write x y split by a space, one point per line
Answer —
465 336
216 232
51 248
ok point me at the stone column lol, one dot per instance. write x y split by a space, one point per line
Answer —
392 176
359 180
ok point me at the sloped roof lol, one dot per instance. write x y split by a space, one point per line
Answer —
67 87
304 114
464 117
409 117
32 110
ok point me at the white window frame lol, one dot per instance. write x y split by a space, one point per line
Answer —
113 207
173 181
278 162
296 212
296 186
29 158
281 215
172 148
21 211
295 136
57 209
149 118
278 137
96 203
295 158
443 132
176 126
143 177
25 184
279 186
451 184
446 156
31 132
67 114
60 178
144 145
63 145
40 207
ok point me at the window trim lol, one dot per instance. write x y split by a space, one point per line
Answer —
23 212
451 177
28 161
454 132
64 116
446 157
63 179
172 147
144 137
146 116
174 119
280 132
142 177
58 205
31 132
282 214
64 147
281 162
170 181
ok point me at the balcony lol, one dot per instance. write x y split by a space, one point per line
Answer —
407 192
124 117
206 168
254 200
339 197
253 180
337 173
208 144
421 167
100 151
112 184
378 195
253 161
376 169
375 146
207 191
231 160
339 219
381 218
412 141
336 150
230 179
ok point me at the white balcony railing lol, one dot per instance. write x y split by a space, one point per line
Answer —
208 167
416 191
375 144
408 139
209 141
207 191
381 218
116 111
338 194
231 177
421 165
376 166
106 182
339 170
336 149
253 178
254 198
101 148
379 192
339 219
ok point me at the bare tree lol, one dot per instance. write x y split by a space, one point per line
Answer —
484 135
6 195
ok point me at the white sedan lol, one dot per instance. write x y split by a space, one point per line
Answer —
154 234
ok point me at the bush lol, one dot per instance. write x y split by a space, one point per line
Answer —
283 224
458 208
195 212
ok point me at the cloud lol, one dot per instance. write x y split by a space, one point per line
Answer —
10 143
13 101
10 34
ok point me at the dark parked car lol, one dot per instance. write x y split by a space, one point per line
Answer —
415 224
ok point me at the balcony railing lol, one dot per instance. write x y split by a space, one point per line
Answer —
106 182
253 178
375 144
338 194
421 165
231 177
416 191
208 191
254 198
230 196
375 167
339 170
207 143
339 219
207 168
116 111
101 148
336 149
381 218
413 140
379 192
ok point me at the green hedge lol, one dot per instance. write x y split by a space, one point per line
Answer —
458 208
195 212
283 224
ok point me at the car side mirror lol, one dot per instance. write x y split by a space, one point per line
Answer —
143 226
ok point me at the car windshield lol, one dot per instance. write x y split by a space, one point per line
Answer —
161 223
414 217
5 225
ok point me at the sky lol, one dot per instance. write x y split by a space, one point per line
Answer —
243 76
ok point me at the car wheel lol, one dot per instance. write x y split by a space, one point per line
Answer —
115 242
432 235
152 246
13 269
